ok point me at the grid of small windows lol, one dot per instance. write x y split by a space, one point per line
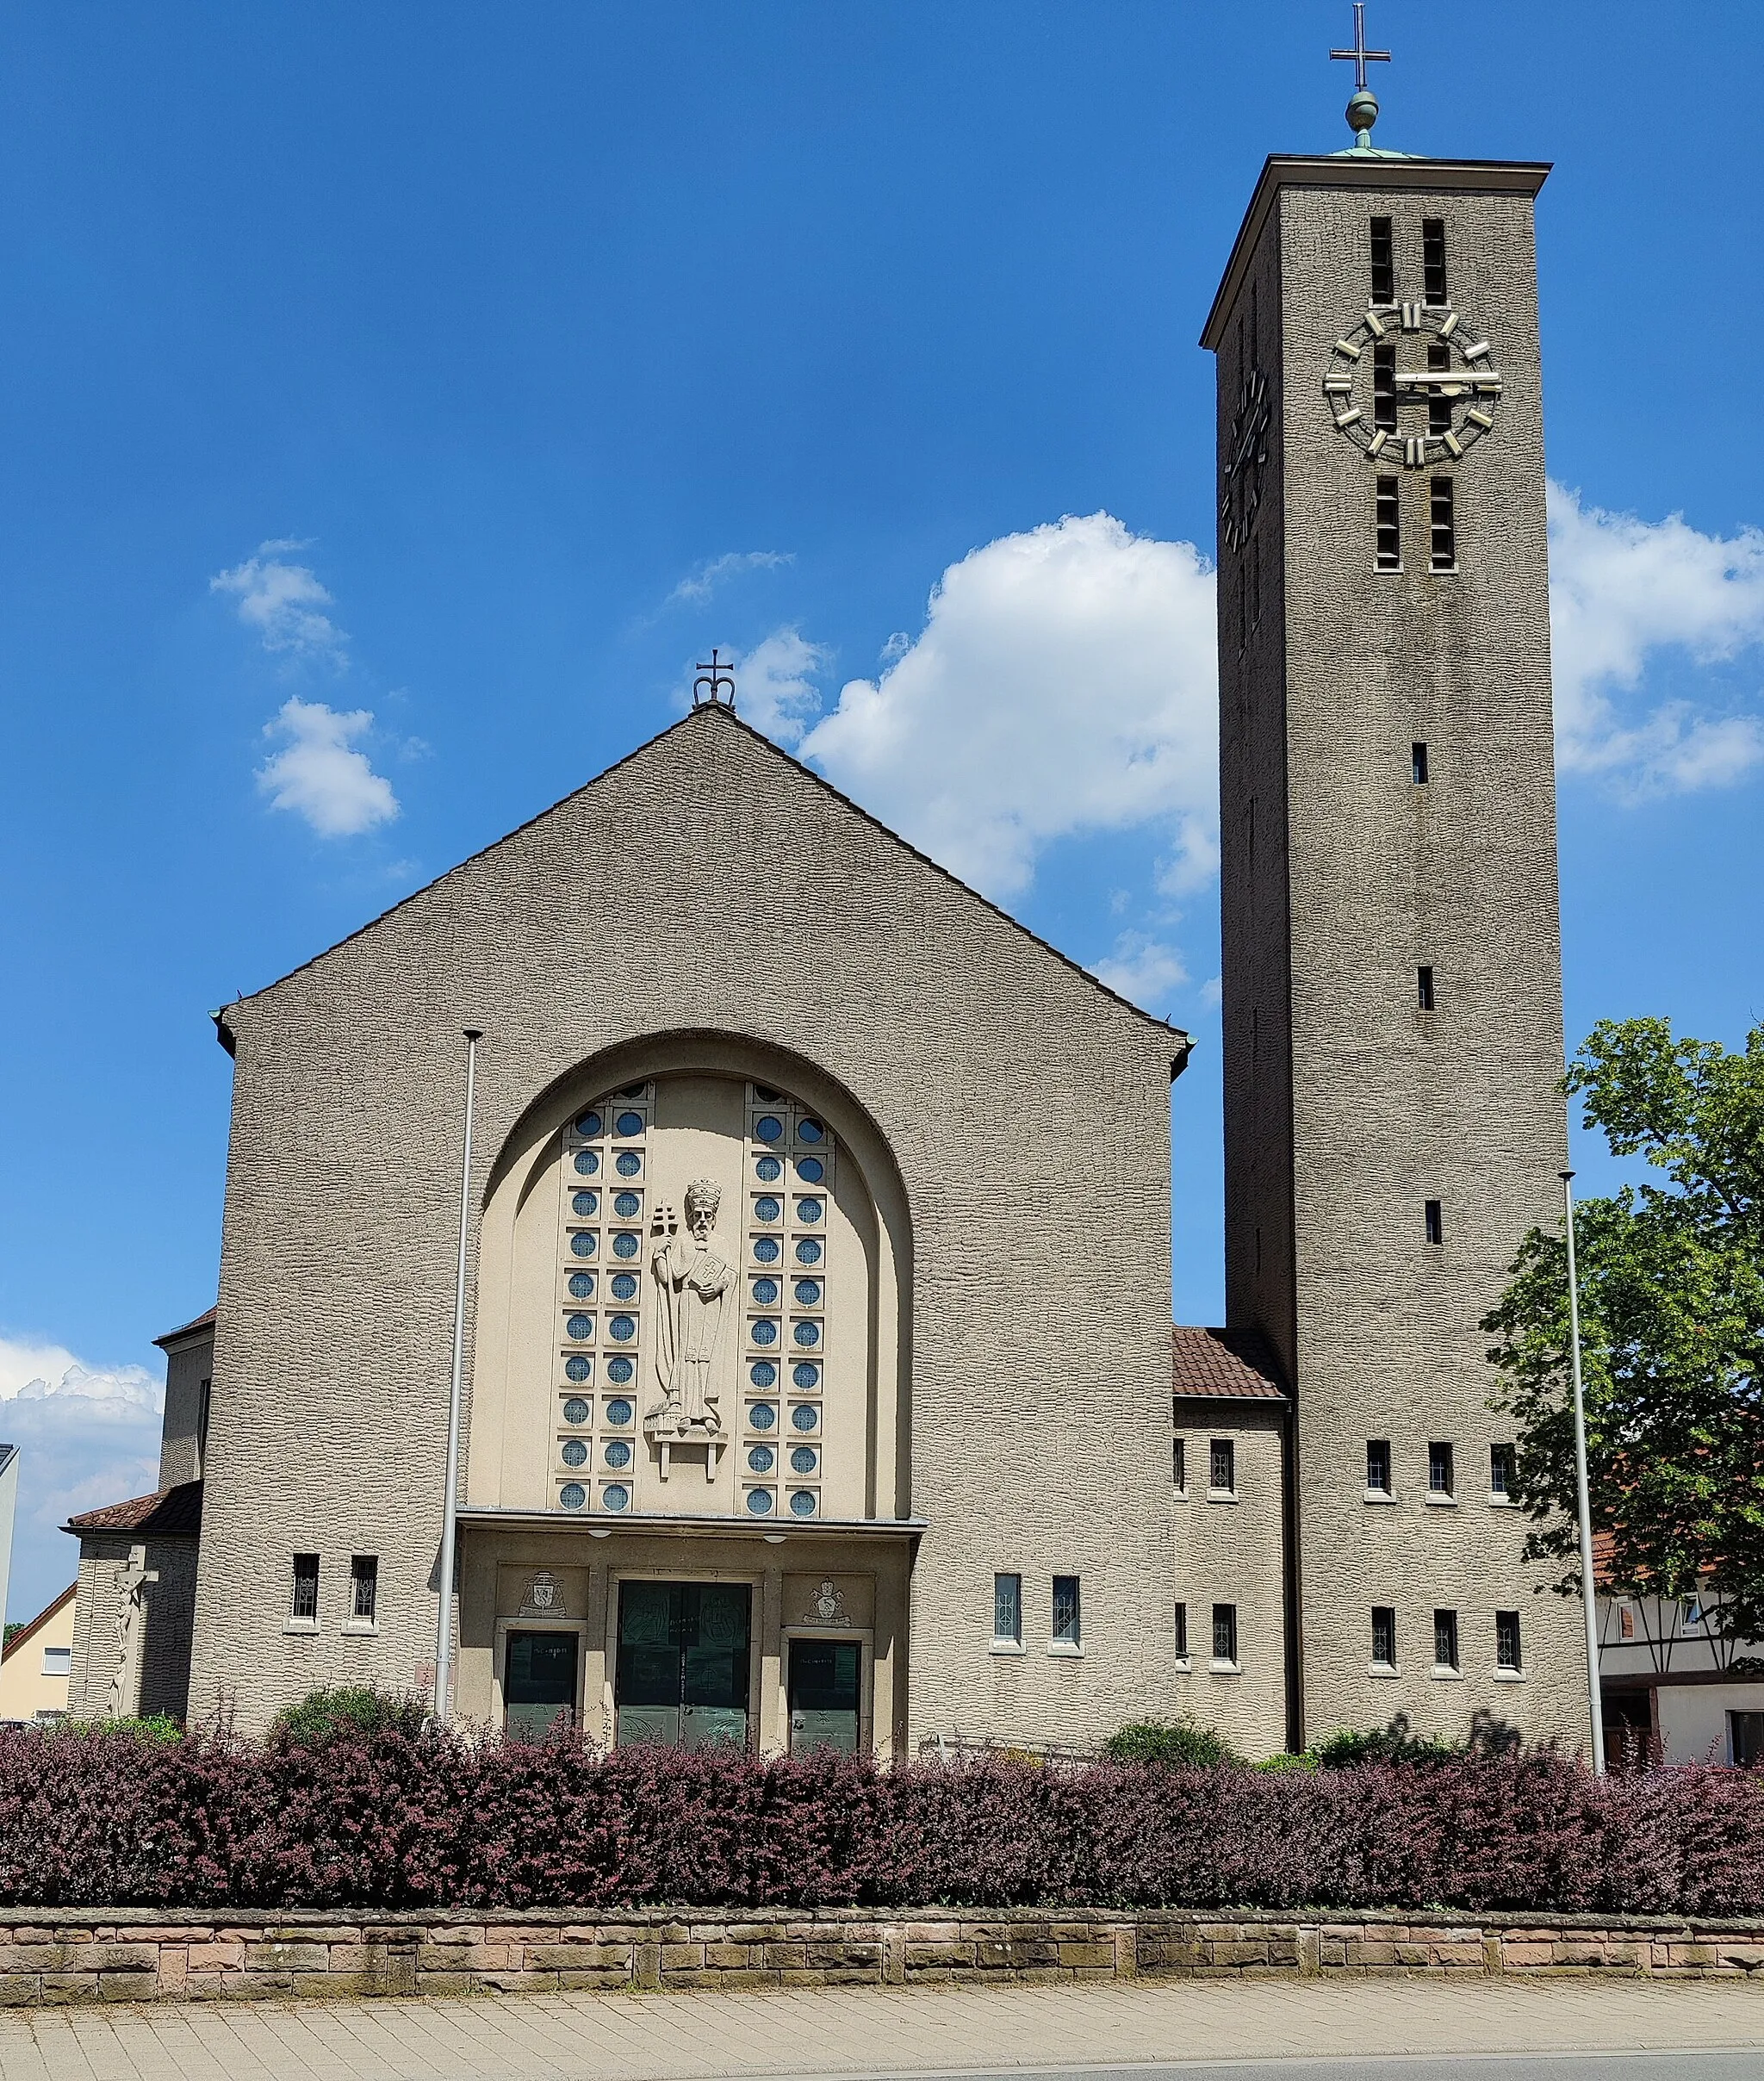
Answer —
602 1300
784 1323
1388 515
1442 525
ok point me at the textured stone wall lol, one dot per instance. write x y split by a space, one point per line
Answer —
708 884
74 1956
1357 877
162 1659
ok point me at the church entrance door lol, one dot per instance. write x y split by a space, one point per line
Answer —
681 1678
824 1676
538 1682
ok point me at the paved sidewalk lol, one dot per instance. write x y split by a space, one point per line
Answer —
876 2031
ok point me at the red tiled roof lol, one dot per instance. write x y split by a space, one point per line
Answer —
35 1624
1231 1365
184 1329
178 1509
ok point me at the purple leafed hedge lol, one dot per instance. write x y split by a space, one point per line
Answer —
95 1818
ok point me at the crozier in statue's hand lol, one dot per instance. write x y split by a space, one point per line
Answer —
663 1221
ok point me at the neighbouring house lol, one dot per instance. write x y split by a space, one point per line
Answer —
1676 1685
37 1663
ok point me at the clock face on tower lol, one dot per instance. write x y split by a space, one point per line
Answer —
1245 459
1412 384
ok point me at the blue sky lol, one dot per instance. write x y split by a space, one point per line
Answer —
545 347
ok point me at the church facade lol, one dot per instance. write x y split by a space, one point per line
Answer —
818 1378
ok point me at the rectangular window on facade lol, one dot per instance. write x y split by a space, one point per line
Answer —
1384 387
1225 1633
1179 1464
1424 988
364 1589
1383 287
1445 1640
1503 1464
305 1603
57 1661
1182 1632
1384 1636
1065 1610
1439 408
1506 1641
1435 1223
1008 1609
1222 1468
1378 1465
1626 1623
1439 1468
1388 520
1443 517
1417 764
1433 259
1745 1739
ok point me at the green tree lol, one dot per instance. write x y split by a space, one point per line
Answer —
1672 1320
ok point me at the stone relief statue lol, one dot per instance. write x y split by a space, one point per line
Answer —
695 1302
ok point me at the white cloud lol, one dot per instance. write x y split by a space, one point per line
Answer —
1621 590
1063 683
704 580
775 687
320 776
283 603
43 1372
1146 972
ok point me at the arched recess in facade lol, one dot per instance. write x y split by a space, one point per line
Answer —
808 1398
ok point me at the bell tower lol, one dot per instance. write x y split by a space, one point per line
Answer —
1392 973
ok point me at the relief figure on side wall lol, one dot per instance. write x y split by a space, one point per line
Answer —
695 1302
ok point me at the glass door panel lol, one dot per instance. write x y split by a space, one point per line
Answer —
683 1663
538 1682
824 1683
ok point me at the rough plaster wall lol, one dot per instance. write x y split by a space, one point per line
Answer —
187 1366
1392 1107
1024 1106
169 1615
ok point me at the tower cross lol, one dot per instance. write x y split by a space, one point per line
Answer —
1360 57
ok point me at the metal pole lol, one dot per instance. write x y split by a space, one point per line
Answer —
1589 1591
443 1624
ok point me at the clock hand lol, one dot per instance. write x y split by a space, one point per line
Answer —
1450 382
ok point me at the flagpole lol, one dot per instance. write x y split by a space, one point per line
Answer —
1589 1591
443 1624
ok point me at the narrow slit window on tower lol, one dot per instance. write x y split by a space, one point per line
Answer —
1378 1466
1225 1636
1181 1635
1444 519
1388 519
1424 988
1179 1465
1436 1226
1439 408
1445 1640
1433 259
303 1608
1384 263
1417 764
364 1589
1384 386
1383 1637
1507 1655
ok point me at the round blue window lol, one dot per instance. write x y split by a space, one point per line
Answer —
581 1285
763 1373
575 1453
619 1411
801 1503
759 1502
768 1168
588 1126
624 1328
768 1127
760 1459
572 1495
762 1415
624 1244
807 1334
616 1496
808 1291
586 1203
766 1208
586 1162
624 1286
766 1249
806 1376
576 1411
808 1251
618 1453
579 1369
629 1163
626 1206
764 1330
765 1291
804 1417
811 1169
803 1459
629 1123
619 1372
582 1243
579 1328
808 1210
810 1130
